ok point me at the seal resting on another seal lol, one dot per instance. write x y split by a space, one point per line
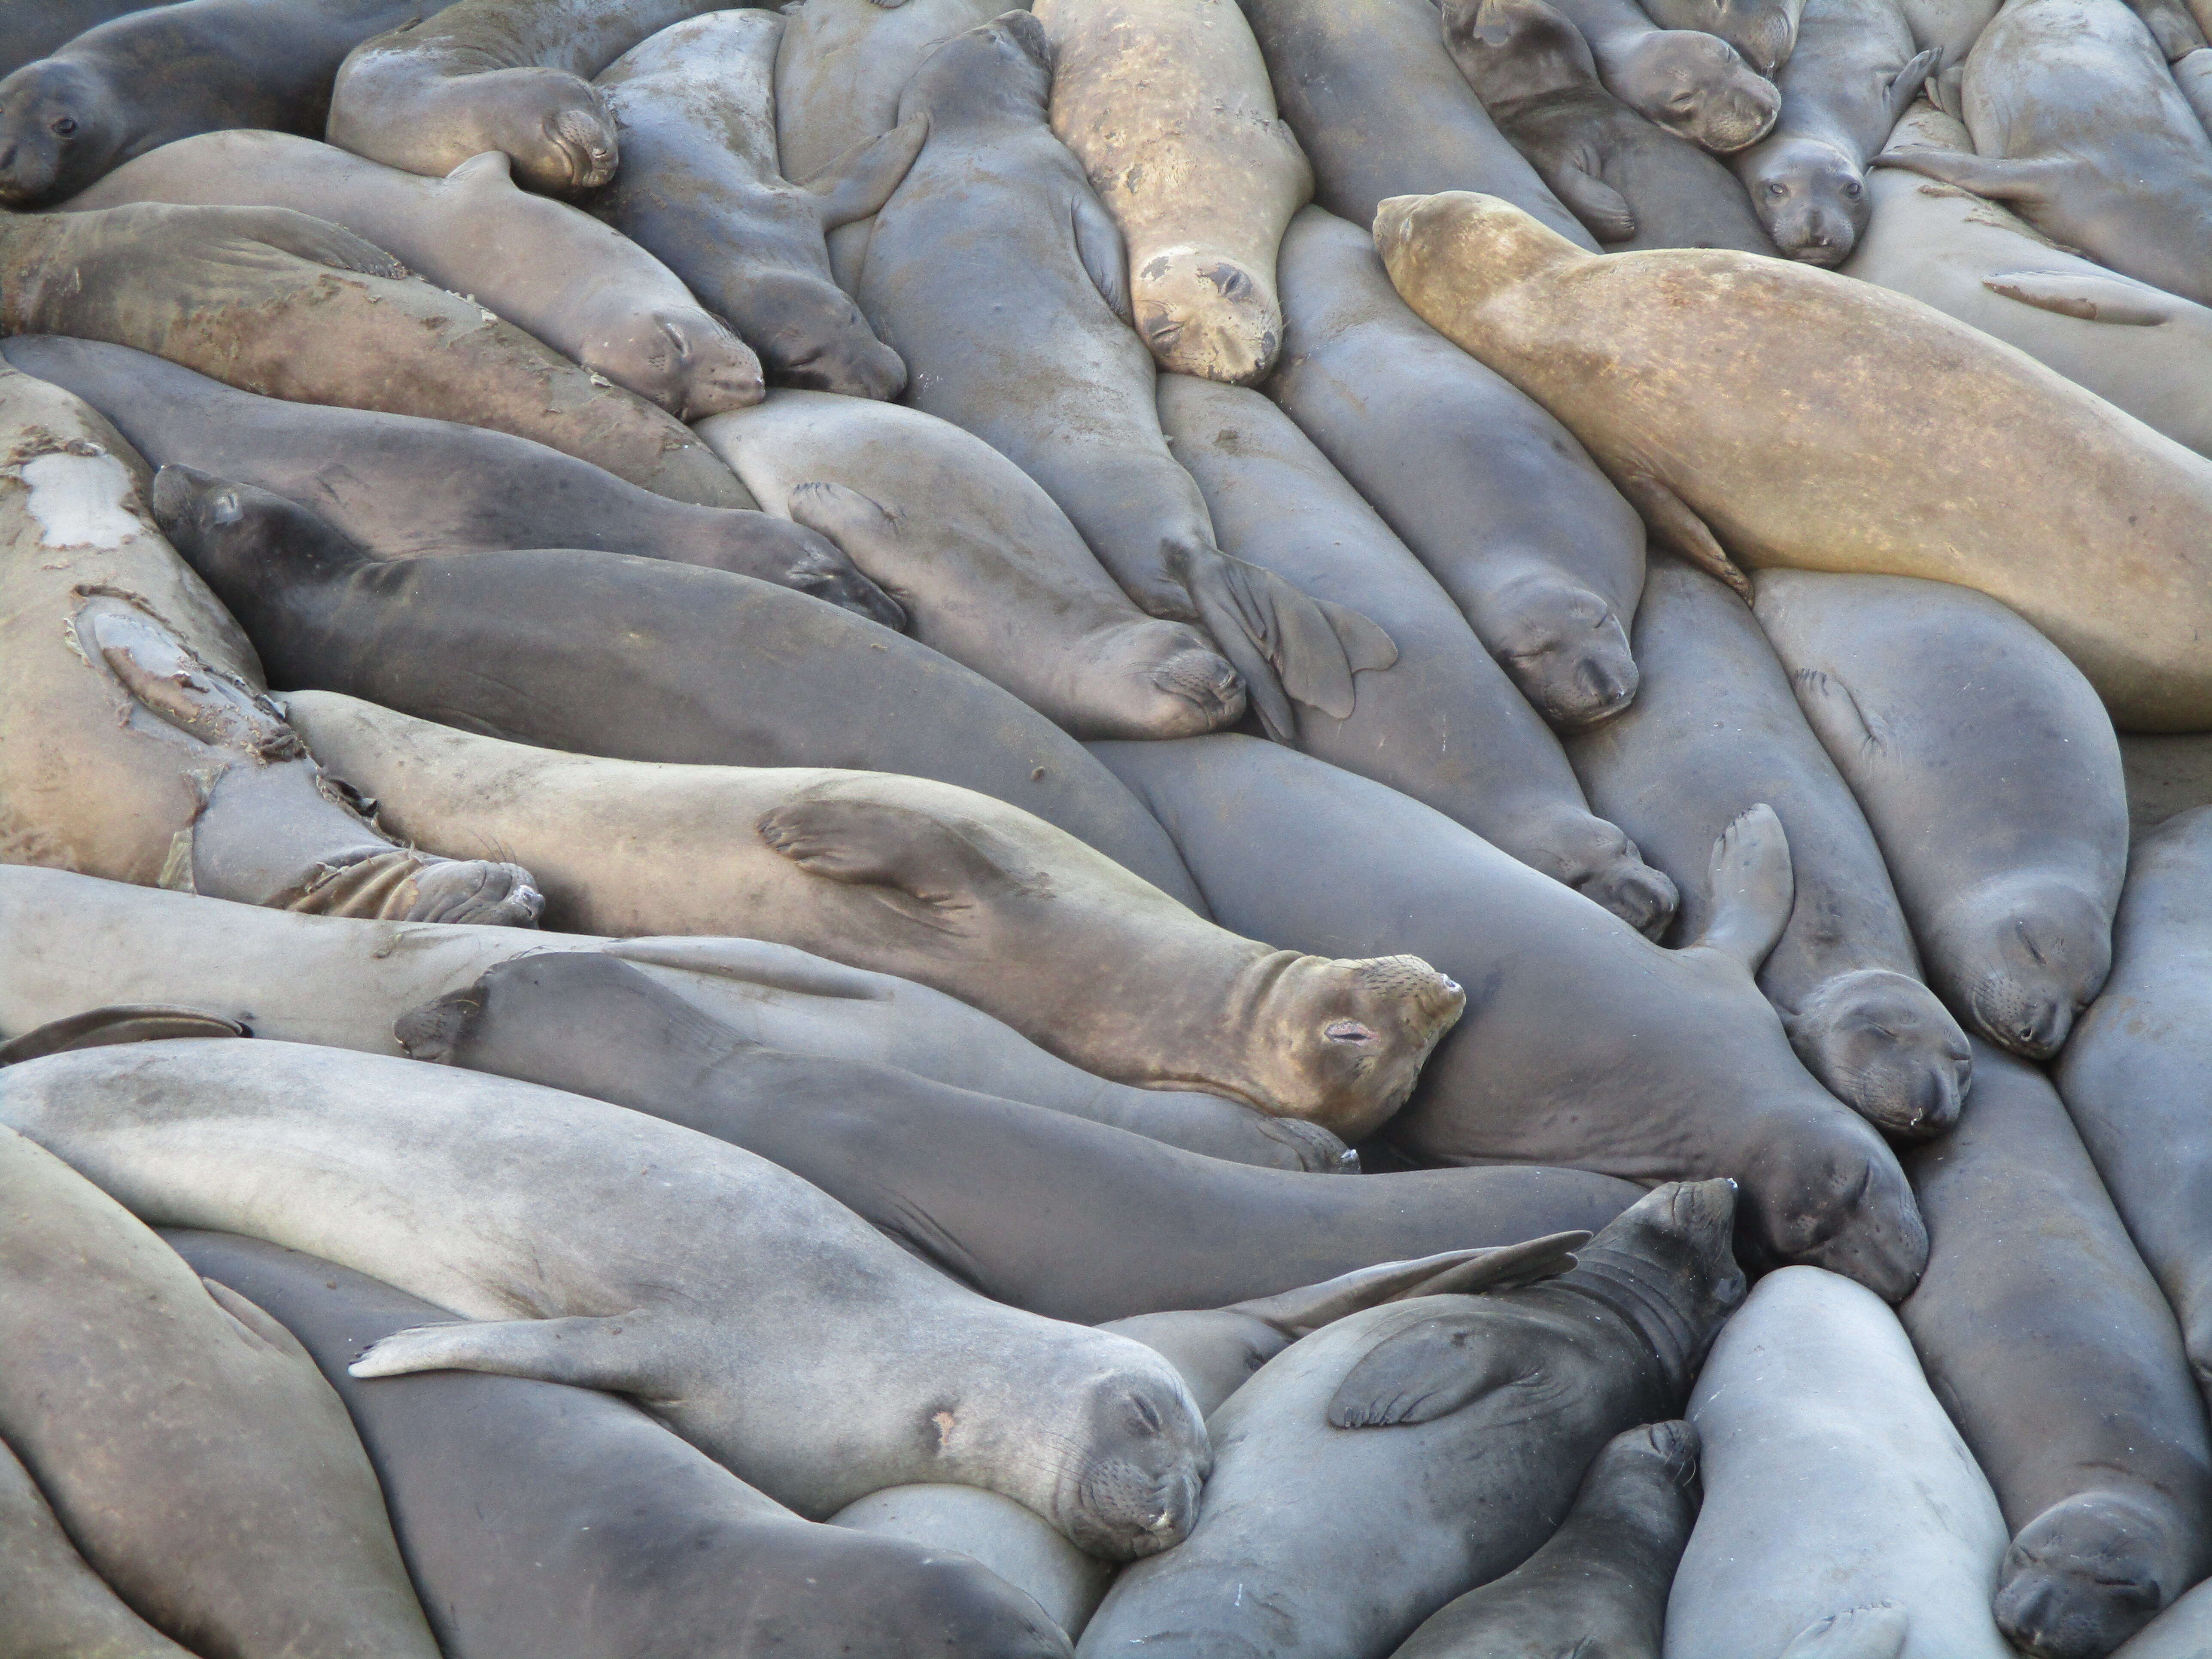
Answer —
1013 1543
1880 449
1691 83
1764 31
56 1603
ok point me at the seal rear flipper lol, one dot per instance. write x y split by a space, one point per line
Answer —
97 1028
1506 1267
1308 649
1898 91
611 1352
1996 177
930 869
1877 1632
1421 1373
856 184
1677 524
2092 296
1307 1309
1752 888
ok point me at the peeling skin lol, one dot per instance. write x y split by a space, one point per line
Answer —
81 500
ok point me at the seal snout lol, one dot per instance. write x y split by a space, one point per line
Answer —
1200 677
584 139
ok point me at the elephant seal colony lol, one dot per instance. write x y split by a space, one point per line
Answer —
1023 829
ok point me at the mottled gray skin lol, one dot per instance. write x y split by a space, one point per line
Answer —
1687 82
1582 1043
1633 183
1490 492
405 485
1849 81
1989 775
1716 730
2050 1346
677 664
166 71
548 1521
1028 1207
700 187
30 29
1597 1589
1445 725
1397 1458
1763 32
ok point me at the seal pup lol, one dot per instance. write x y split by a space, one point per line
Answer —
2080 132
1764 31
1423 1411
940 885
1598 1587
983 563
553 1521
696 666
2050 1346
760 1319
1833 1483
409 485
183 1438
592 295
1883 456
700 186
1692 84
1067 396
1014 1543
164 72
1715 731
1584 1044
1167 106
1445 725
1852 77
1492 495
1989 775
273 301
1632 183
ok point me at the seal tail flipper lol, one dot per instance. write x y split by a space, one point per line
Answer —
1752 888
1877 1632
1450 1273
856 183
1677 524
2092 296
1902 87
1420 1374
97 1028
1996 177
590 1352
1289 646
1507 1268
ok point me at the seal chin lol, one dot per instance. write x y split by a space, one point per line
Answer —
2032 1020
2083 1576
1857 1216
1883 1044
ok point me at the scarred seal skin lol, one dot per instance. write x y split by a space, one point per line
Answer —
1882 451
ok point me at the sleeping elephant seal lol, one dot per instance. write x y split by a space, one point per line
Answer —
273 301
164 72
1633 183
995 221
1694 85
403 485
985 564
1016 1545
938 884
549 1520
2052 1350
1879 450
1490 492
1836 1490
1764 31
1445 725
1167 105
1989 774
186 1442
592 295
1417 1422
606 654
761 1319
700 187
1716 731
1585 1043
56 1603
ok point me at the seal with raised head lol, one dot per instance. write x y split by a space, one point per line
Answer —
1879 451
1691 83
760 1319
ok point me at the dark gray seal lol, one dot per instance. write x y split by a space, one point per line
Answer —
1686 81
1764 31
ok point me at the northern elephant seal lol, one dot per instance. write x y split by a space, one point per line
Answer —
1691 83
1421 1410
697 666
1764 31
1491 493
1833 1484
1716 730
1641 355
764 1322
1445 725
1990 777
2050 1346
183 1439
1167 105
986 567
1013 1543
592 295
701 186
56 1603
34 28
551 1520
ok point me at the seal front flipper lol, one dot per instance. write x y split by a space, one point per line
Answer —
1996 177
1423 1372
860 181
2092 296
1877 1632
860 527
1752 888
97 1028
611 1352
301 233
1592 201
1899 90
1104 256
928 869
1677 524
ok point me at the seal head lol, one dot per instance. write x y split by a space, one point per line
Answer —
811 335
58 134
1207 315
1341 1043
1698 87
693 365
1136 1491
1764 31
1885 1046
2042 948
1811 197
2081 1578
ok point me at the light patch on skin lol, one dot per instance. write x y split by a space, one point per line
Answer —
79 500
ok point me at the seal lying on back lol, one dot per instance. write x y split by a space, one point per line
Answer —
550 1521
943 886
762 1320
1989 775
403 484
56 1603
700 186
167 71
1021 336
1692 84
590 294
1889 440
1457 1428
183 1437
604 654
